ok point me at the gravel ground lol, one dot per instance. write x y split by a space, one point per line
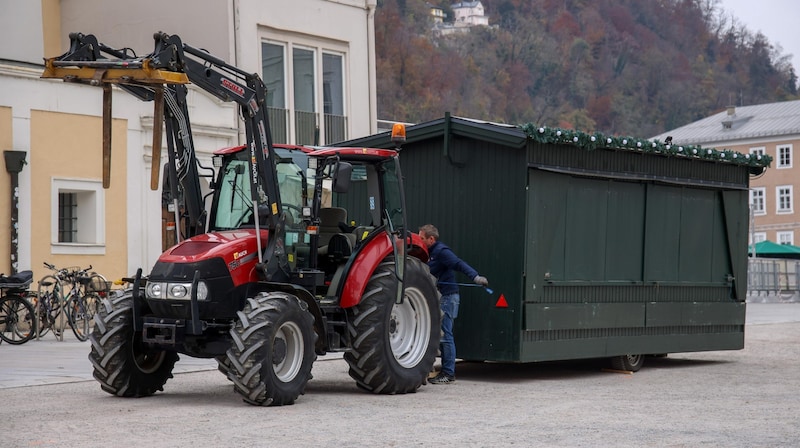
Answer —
745 398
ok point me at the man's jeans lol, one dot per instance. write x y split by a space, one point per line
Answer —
449 304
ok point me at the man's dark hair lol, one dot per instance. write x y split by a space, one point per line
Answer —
430 230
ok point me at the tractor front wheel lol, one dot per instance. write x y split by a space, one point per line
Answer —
122 364
272 352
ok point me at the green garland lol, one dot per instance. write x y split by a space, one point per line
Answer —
596 140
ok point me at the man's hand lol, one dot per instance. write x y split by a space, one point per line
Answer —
481 280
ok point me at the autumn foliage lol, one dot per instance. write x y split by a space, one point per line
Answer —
617 66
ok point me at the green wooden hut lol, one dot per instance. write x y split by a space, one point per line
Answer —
594 245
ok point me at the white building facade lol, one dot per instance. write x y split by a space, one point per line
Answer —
317 58
470 13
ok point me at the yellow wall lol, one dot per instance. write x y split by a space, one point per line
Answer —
6 142
69 146
51 26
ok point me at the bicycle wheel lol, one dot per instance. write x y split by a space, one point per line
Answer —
80 314
16 320
48 305
98 285
42 322
30 318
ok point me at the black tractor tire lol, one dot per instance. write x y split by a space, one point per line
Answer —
272 352
394 345
628 363
122 364
223 364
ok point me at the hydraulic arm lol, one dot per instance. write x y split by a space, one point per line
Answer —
162 77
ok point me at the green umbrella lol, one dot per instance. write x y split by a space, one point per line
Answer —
768 249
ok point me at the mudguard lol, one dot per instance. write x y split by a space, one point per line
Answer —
360 268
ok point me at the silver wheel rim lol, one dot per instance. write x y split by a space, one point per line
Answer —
409 328
149 362
634 360
146 361
287 366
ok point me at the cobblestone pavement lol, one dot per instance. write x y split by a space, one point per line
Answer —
742 398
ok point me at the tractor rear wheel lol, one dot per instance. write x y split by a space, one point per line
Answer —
122 364
272 352
394 345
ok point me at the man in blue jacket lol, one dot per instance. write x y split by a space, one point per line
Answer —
443 263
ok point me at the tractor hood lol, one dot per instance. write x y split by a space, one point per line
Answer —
237 248
229 244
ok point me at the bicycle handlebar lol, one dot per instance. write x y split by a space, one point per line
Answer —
68 273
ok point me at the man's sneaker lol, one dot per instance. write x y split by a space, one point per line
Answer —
443 379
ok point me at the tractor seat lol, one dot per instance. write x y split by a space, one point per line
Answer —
339 248
330 218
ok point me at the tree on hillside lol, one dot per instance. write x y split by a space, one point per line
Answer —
623 67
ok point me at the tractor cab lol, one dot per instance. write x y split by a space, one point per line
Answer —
333 200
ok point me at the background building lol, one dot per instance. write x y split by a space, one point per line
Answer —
321 77
772 129
470 13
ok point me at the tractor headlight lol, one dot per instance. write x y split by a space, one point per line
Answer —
178 291
202 290
154 291
175 291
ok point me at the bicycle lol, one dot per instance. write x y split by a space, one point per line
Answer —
17 316
81 302
49 302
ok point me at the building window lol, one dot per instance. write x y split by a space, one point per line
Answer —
758 151
784 199
78 220
756 238
304 80
786 238
274 72
306 91
67 217
758 200
785 156
333 97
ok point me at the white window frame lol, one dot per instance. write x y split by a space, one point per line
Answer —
284 46
758 151
315 61
759 237
785 237
319 46
779 150
758 195
778 194
91 217
343 69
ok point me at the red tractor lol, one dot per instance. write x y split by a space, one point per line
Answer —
305 250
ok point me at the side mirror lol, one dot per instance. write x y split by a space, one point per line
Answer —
341 177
